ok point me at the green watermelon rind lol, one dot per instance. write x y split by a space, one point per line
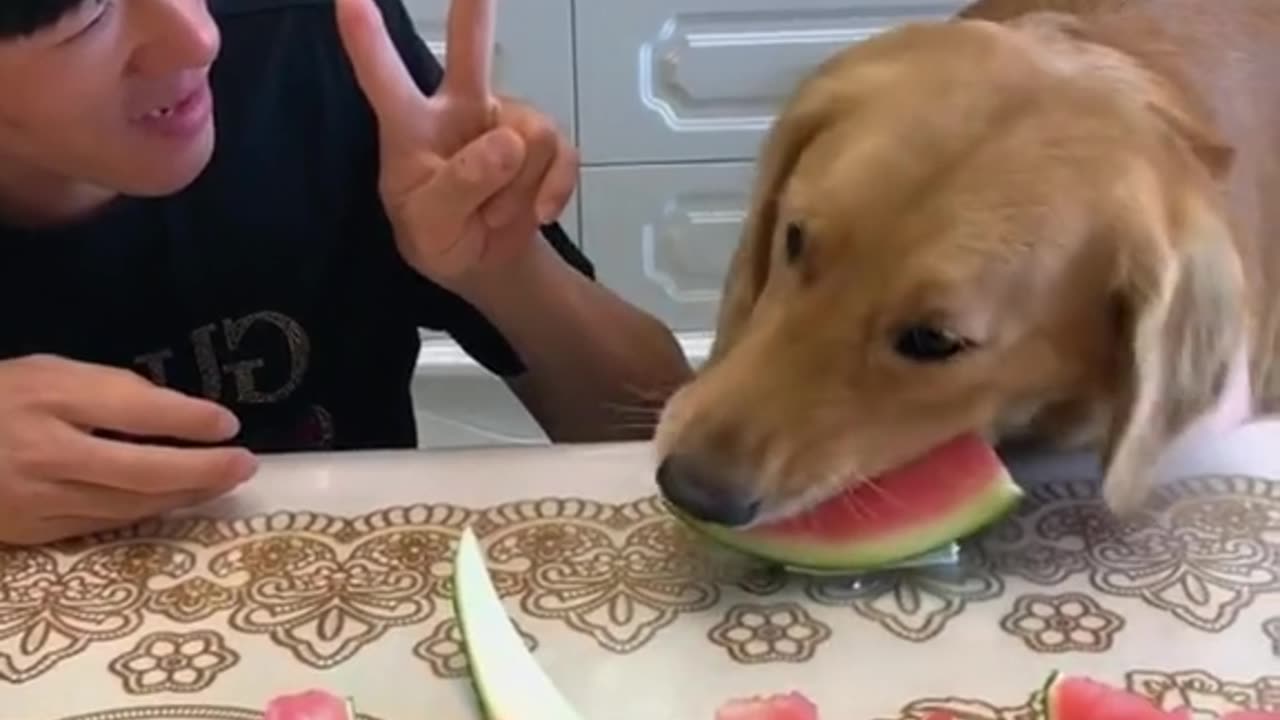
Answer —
1045 703
945 554
1000 496
490 685
473 677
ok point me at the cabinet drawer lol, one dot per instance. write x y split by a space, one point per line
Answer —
681 80
662 235
533 54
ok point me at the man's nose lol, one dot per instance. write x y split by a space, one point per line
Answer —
180 34
705 491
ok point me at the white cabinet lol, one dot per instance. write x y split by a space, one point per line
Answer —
533 53
666 247
668 101
682 80
674 99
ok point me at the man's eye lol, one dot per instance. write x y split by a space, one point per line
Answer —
923 343
90 14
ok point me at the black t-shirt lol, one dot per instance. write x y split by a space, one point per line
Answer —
272 284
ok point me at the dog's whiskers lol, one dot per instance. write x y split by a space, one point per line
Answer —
885 495
635 412
633 426
652 393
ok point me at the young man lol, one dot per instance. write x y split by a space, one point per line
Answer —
171 305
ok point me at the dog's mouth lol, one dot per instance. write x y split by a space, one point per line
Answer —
782 510
876 490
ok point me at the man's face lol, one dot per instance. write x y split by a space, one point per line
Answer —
113 94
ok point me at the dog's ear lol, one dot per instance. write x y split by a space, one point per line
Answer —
1180 304
748 269
1214 155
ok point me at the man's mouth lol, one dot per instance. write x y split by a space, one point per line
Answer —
171 107
160 112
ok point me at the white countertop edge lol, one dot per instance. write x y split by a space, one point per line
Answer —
444 357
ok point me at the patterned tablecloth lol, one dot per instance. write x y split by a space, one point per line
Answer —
333 572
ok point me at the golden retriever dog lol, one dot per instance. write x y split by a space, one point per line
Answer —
1055 220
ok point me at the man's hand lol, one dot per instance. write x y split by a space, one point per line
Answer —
59 479
466 178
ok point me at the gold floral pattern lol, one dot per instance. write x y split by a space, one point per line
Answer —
1204 693
617 574
324 587
1207 695
323 604
184 712
916 604
319 590
1208 549
48 615
781 632
192 601
966 709
443 652
174 662
1062 623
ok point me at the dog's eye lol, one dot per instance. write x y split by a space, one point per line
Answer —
794 241
923 343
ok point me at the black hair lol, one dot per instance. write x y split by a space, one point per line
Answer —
19 18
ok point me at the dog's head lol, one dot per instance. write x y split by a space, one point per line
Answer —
955 227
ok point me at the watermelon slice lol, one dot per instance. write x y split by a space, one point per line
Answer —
954 490
310 705
506 677
1072 697
782 706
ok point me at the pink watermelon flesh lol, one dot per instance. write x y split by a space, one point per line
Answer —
309 705
1082 698
954 490
788 706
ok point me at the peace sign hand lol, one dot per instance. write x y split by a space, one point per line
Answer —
466 177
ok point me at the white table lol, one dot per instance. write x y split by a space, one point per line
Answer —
331 571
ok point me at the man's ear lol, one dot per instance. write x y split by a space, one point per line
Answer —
1182 323
748 269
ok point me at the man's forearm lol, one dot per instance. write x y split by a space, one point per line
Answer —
597 367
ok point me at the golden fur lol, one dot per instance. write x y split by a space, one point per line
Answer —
1078 189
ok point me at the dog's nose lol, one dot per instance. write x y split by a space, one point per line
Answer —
702 491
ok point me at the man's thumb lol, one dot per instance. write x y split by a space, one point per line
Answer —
470 177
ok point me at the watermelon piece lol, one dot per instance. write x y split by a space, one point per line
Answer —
781 706
952 491
505 675
1073 697
310 705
